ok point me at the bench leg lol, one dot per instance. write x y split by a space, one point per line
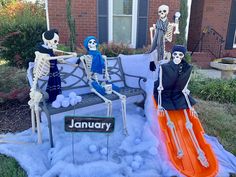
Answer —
39 132
50 129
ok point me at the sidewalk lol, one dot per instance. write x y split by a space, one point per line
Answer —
210 73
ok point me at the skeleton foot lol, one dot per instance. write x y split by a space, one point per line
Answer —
202 158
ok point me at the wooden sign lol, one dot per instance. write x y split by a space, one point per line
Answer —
89 124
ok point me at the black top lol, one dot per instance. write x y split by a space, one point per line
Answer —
174 79
41 49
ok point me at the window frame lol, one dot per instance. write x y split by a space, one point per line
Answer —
234 42
134 22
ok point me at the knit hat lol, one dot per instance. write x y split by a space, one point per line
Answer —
87 40
179 48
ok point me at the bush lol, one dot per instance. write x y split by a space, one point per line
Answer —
222 91
113 50
13 84
21 27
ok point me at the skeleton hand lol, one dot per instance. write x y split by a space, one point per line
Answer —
74 54
61 60
193 112
160 111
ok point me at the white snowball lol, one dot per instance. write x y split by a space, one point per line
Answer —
56 104
153 151
104 151
135 165
137 141
138 109
79 99
60 98
92 148
73 101
72 95
129 159
65 103
138 158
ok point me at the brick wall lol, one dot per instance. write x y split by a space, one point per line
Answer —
174 6
57 18
215 13
85 16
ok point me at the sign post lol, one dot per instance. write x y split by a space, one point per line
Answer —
89 124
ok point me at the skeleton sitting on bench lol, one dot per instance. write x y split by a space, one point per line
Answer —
46 62
95 64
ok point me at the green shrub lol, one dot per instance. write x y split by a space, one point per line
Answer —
223 91
20 31
113 50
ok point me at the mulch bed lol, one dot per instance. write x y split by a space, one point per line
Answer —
14 116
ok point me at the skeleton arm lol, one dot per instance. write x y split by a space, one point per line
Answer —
171 26
107 76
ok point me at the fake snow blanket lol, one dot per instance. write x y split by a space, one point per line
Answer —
138 155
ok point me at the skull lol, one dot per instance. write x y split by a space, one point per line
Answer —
163 11
177 57
92 44
50 39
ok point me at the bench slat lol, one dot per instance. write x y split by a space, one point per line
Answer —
92 99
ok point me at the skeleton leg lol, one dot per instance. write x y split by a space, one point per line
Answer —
201 155
38 124
108 102
31 104
123 106
171 125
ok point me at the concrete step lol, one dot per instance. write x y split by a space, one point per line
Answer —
202 59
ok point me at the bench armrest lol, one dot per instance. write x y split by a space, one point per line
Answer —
140 78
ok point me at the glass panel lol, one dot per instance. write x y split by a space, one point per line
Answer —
122 29
235 38
122 7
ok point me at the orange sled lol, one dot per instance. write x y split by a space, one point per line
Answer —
189 164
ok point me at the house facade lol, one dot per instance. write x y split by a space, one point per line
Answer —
217 18
125 21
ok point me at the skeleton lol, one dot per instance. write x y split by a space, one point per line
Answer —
41 69
177 57
163 12
87 63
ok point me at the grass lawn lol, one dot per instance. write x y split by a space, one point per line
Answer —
10 168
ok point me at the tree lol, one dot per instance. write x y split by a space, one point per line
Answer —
181 38
5 2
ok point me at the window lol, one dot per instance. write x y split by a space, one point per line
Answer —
123 21
234 43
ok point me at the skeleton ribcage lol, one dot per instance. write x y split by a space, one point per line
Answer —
169 32
41 67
